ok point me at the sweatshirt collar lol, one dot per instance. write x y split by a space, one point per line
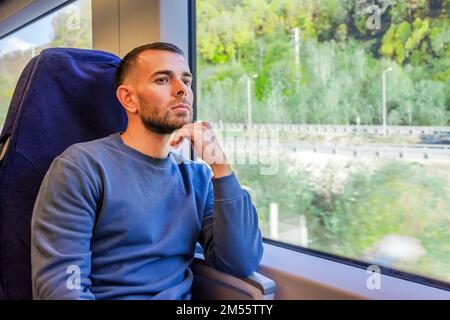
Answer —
160 162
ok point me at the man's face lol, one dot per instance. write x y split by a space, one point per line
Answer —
162 82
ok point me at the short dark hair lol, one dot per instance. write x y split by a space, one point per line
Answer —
131 56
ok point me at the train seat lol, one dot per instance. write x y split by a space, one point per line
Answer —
65 96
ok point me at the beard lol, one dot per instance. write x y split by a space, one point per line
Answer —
162 121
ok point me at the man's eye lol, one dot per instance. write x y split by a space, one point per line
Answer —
162 80
187 82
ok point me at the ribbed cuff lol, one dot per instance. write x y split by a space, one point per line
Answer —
226 188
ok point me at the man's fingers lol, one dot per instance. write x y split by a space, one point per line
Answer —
190 131
182 133
176 142
199 134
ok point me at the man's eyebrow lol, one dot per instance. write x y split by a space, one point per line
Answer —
170 73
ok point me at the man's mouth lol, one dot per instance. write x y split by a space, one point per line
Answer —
181 106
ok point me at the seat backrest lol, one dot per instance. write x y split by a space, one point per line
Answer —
64 96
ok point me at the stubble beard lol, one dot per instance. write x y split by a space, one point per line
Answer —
157 120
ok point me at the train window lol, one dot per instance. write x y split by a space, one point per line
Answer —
69 26
335 116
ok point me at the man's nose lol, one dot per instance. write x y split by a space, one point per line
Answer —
180 88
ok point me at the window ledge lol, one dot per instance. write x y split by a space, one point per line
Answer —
302 276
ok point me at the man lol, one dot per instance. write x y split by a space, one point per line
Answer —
119 217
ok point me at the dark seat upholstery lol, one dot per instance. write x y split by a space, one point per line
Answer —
63 96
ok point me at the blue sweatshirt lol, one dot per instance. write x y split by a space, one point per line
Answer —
110 222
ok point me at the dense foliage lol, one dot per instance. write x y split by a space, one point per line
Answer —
342 55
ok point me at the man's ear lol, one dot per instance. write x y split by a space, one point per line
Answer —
127 98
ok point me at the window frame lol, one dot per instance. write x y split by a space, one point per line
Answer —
404 275
307 276
22 22
389 272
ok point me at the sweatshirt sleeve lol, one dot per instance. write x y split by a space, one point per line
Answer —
230 235
61 230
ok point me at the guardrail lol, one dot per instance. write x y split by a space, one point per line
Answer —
375 150
410 152
349 129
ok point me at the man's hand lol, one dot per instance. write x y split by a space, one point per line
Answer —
205 144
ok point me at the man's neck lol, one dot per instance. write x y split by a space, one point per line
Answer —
155 145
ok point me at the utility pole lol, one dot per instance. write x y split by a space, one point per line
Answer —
249 103
384 101
249 100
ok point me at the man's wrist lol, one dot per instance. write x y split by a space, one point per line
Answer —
221 170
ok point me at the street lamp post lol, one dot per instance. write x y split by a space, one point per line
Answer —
297 58
384 101
249 100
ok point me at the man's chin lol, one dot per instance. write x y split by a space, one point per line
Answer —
181 122
165 127
161 129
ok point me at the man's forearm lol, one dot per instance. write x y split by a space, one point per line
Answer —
233 241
